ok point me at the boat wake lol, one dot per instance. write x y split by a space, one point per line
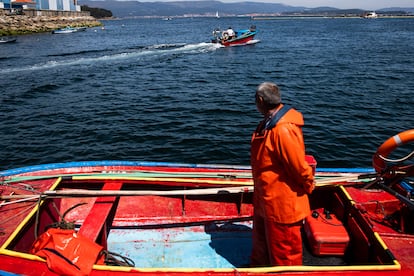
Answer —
254 41
93 58
250 42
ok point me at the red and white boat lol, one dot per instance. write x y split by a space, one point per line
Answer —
241 37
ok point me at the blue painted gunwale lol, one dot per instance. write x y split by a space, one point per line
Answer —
53 166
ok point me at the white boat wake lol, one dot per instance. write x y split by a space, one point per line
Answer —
145 52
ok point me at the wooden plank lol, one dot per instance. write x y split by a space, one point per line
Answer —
95 222
111 193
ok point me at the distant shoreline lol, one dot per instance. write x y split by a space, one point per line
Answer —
280 17
21 24
260 17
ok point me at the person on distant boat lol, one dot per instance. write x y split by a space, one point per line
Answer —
228 34
282 181
231 33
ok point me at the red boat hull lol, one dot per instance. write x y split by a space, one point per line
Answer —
194 223
238 41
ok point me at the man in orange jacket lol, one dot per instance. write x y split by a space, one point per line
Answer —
282 181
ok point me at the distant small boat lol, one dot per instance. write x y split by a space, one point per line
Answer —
371 15
68 30
7 40
242 37
217 14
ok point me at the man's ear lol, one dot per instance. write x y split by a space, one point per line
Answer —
260 104
260 101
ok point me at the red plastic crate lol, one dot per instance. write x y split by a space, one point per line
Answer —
326 234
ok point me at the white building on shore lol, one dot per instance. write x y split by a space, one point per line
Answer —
40 5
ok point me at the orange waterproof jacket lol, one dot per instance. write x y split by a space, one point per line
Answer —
67 252
282 177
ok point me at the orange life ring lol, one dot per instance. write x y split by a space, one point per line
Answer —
388 146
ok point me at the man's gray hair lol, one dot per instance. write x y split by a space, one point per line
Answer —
270 93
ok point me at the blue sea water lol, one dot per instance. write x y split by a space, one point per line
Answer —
155 90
